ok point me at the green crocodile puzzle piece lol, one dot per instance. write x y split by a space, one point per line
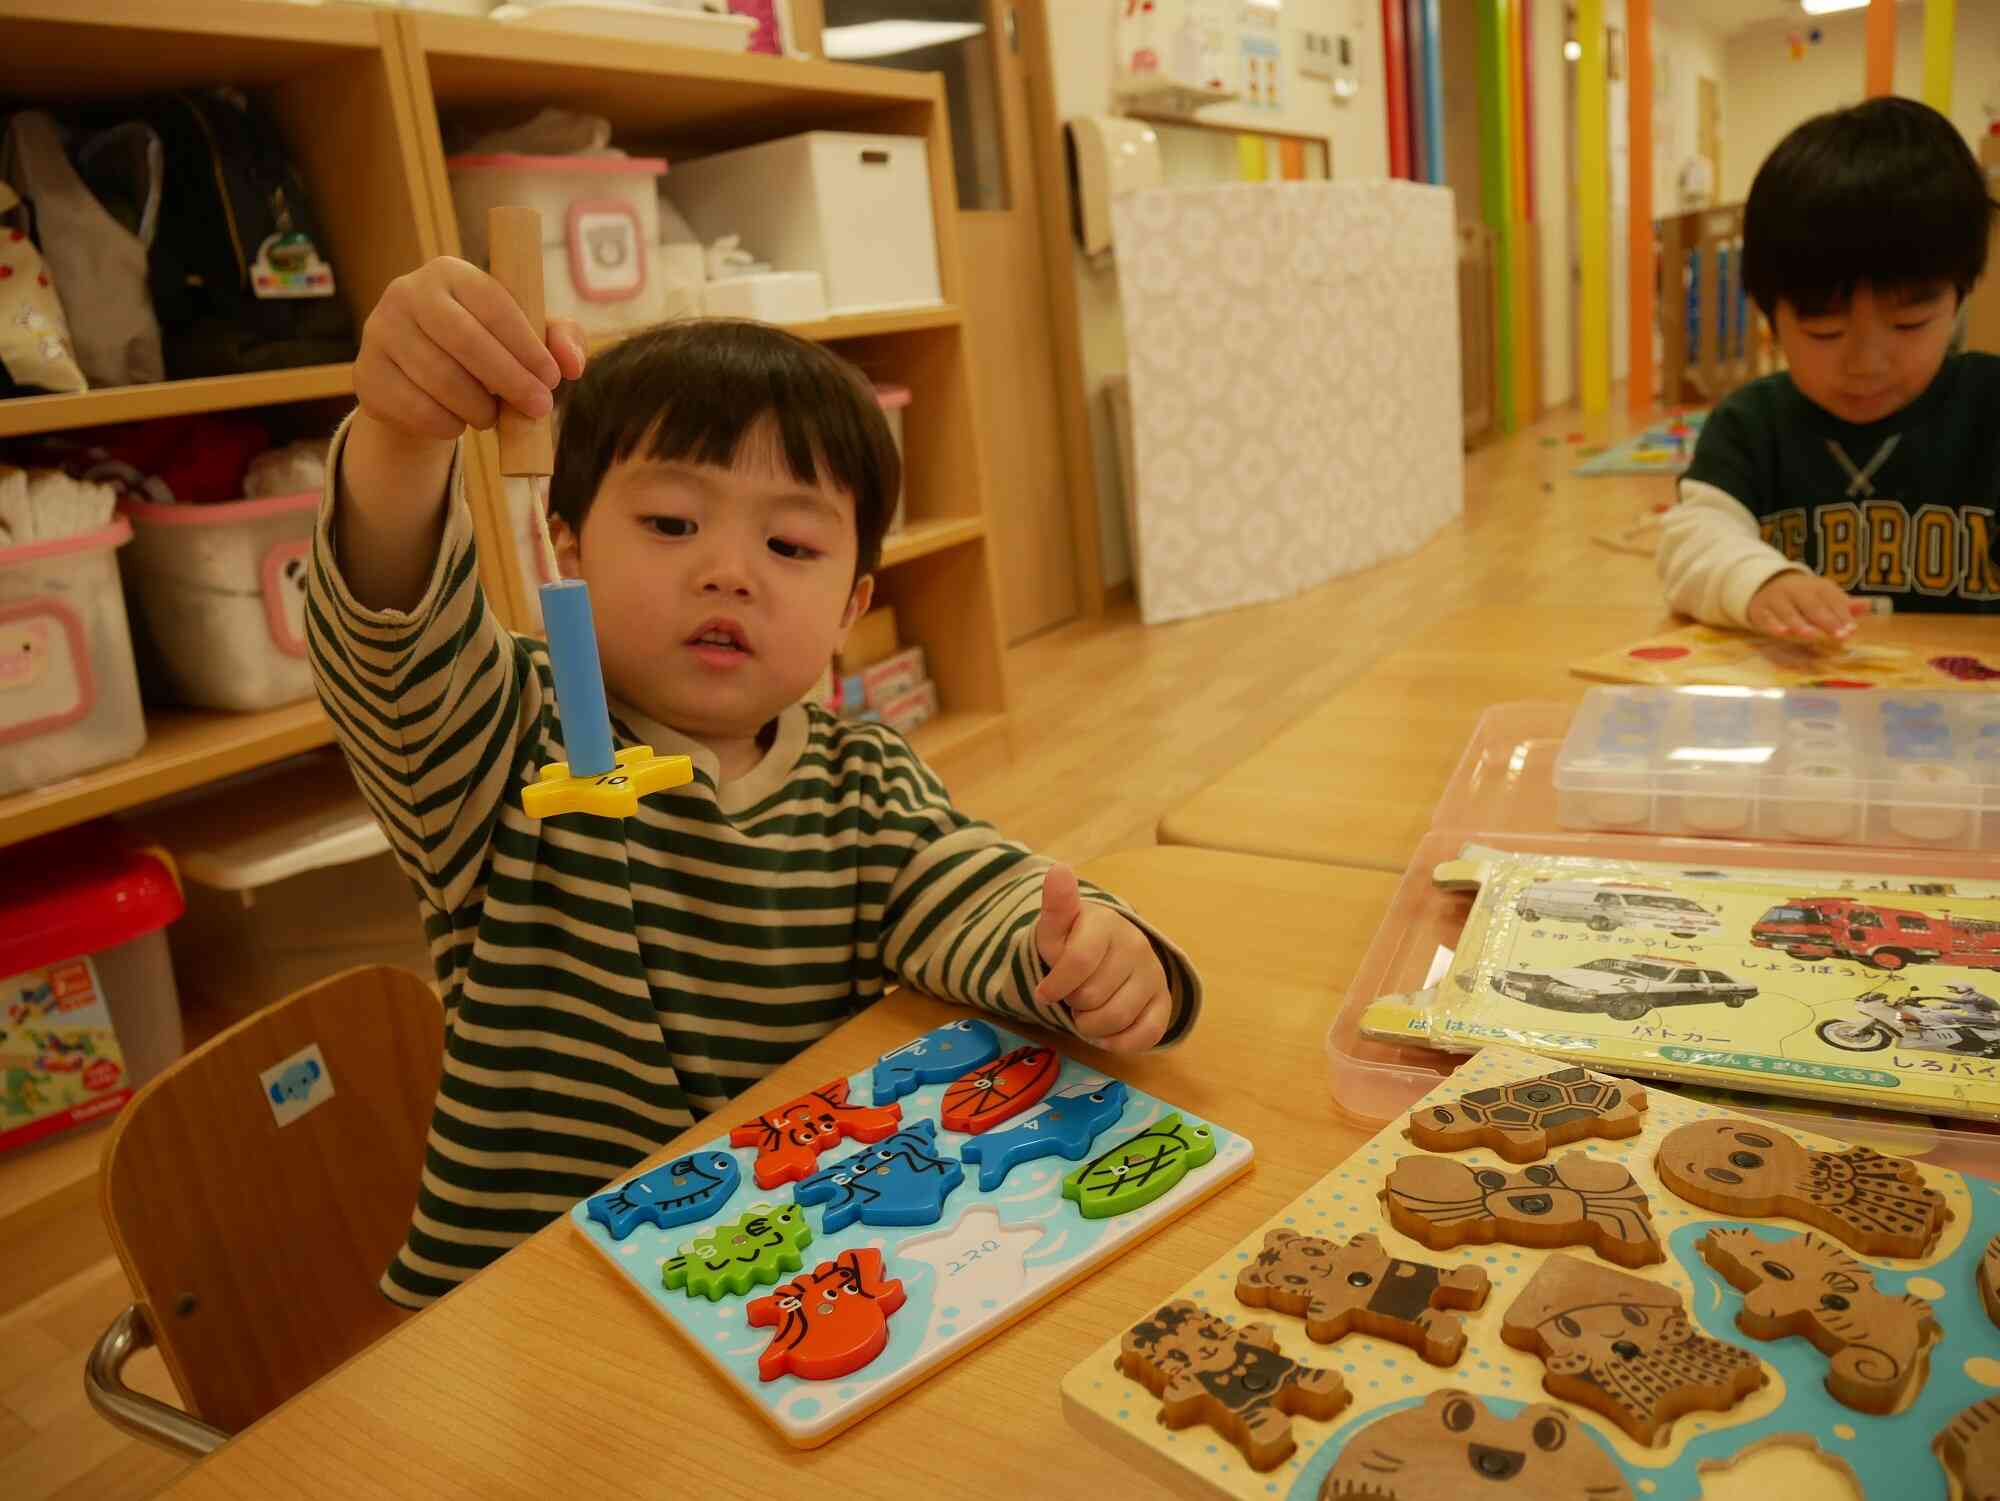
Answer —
759 1247
1139 1169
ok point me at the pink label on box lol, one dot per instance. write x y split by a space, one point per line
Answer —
45 677
286 567
607 250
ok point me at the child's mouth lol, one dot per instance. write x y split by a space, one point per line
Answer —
719 643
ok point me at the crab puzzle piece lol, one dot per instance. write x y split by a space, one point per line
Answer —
829 1323
1577 1201
1523 1119
687 1189
1361 1288
981 1098
789 1139
1968 1447
900 1181
1139 1169
1073 1120
1989 1279
760 1247
940 1054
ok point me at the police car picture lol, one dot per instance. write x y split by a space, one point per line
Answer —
1624 988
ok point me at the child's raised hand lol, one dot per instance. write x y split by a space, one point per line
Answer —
1804 606
1102 966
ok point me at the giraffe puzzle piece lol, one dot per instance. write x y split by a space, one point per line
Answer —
1139 1169
1521 1121
940 1054
687 1189
637 773
983 1097
1206 1370
899 1181
759 1247
1075 1117
1453 1441
1360 1287
1873 1204
1579 1201
1805 1284
829 1323
1989 1279
789 1139
1969 1449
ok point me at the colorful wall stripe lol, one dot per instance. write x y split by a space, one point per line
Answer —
1433 70
1939 16
1496 192
1639 125
1881 77
1593 209
1521 236
1395 73
1413 87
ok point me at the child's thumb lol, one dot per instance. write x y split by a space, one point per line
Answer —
1061 906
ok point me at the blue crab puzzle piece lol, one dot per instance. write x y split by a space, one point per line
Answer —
1072 1121
686 1189
938 1057
897 1181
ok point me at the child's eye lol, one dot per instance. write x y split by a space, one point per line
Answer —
670 526
1823 335
797 551
1910 328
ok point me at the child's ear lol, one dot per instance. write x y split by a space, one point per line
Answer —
564 541
858 601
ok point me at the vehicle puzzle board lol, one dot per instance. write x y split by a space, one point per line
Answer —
1413 1430
942 1238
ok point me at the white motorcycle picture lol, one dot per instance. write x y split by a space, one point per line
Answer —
1963 1021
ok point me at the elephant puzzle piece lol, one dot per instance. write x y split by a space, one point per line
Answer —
1453 1440
1578 1201
1805 1284
1623 1346
1521 1121
940 1054
981 1098
1072 1120
898 1181
831 1322
1339 1289
789 1139
1206 1370
1873 1204
1139 1169
1989 1279
1969 1449
758 1247
687 1189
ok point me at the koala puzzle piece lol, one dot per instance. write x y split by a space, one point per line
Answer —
983 1097
898 1181
1969 1449
1451 1442
687 1189
1624 1347
1806 1284
1521 1121
1073 1119
1359 1287
789 1139
829 1323
1989 1279
1139 1169
1206 1370
1577 1201
758 1247
940 1054
1873 1204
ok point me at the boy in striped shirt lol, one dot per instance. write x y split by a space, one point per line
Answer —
723 488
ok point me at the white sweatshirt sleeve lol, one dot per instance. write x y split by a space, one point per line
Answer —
1713 556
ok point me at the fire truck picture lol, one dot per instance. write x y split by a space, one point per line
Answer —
1889 938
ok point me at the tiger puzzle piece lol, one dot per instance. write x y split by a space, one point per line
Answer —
1969 1449
1989 1279
1206 1370
1521 1121
1873 1204
789 1139
1072 1120
1139 1169
940 1054
1578 1201
687 1189
899 1181
1452 1440
1339 1289
1623 1346
983 1097
831 1322
1805 1284
758 1247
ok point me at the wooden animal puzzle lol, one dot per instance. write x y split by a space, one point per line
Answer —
1534 1364
1714 655
825 1255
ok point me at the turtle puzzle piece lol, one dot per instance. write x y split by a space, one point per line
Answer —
1522 1120
687 1189
758 1247
1969 1449
1073 1119
789 1139
1578 1201
1359 1287
898 1181
1453 1441
983 1097
940 1054
1139 1169
831 1322
1206 1370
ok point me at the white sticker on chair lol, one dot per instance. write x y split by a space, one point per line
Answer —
297 1084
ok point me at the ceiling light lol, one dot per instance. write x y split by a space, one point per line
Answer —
887 38
1572 49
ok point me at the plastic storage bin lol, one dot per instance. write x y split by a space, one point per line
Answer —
855 208
222 590
69 695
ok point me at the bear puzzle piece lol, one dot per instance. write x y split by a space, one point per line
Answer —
789 1139
1521 1121
1989 1279
1072 1120
1578 1201
1452 1441
1969 1449
940 1054
982 1097
687 1189
898 1181
759 1246
831 1322
1359 1287
1139 1169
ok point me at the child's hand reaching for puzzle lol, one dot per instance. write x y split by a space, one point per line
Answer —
1102 967
1804 607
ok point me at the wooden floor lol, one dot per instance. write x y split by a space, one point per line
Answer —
1118 723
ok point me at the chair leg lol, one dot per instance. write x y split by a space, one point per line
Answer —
136 1413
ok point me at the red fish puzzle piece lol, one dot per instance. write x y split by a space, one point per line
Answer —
1966 669
789 1140
983 1097
831 1322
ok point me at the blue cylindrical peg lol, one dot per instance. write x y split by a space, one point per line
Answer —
586 720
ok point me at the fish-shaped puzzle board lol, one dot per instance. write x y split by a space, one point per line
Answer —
1001 1236
1658 1345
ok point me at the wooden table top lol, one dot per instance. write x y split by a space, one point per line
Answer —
547 1375
1355 781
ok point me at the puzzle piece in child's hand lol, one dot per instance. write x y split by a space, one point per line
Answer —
1989 1279
1577 1201
940 1054
759 1247
829 1323
1072 1121
1522 1120
1139 1169
900 1181
1432 1451
687 1189
1969 1449
983 1097
1805 1284
1206 1370
1623 1346
1340 1289
1874 1204
789 1139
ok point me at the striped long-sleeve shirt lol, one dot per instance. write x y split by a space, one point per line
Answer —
608 982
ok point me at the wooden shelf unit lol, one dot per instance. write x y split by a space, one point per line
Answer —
173 398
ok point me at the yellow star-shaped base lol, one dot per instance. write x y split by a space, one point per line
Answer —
615 794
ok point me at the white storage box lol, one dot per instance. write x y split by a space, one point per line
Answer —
69 695
633 22
894 399
855 208
769 297
222 590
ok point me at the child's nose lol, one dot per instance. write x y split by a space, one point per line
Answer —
724 571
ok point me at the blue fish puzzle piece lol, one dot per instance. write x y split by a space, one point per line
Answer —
1071 1122
939 1056
686 1189
897 1181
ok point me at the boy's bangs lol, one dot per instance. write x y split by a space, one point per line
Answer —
1900 249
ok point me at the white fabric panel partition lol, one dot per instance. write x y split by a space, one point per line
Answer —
1296 407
